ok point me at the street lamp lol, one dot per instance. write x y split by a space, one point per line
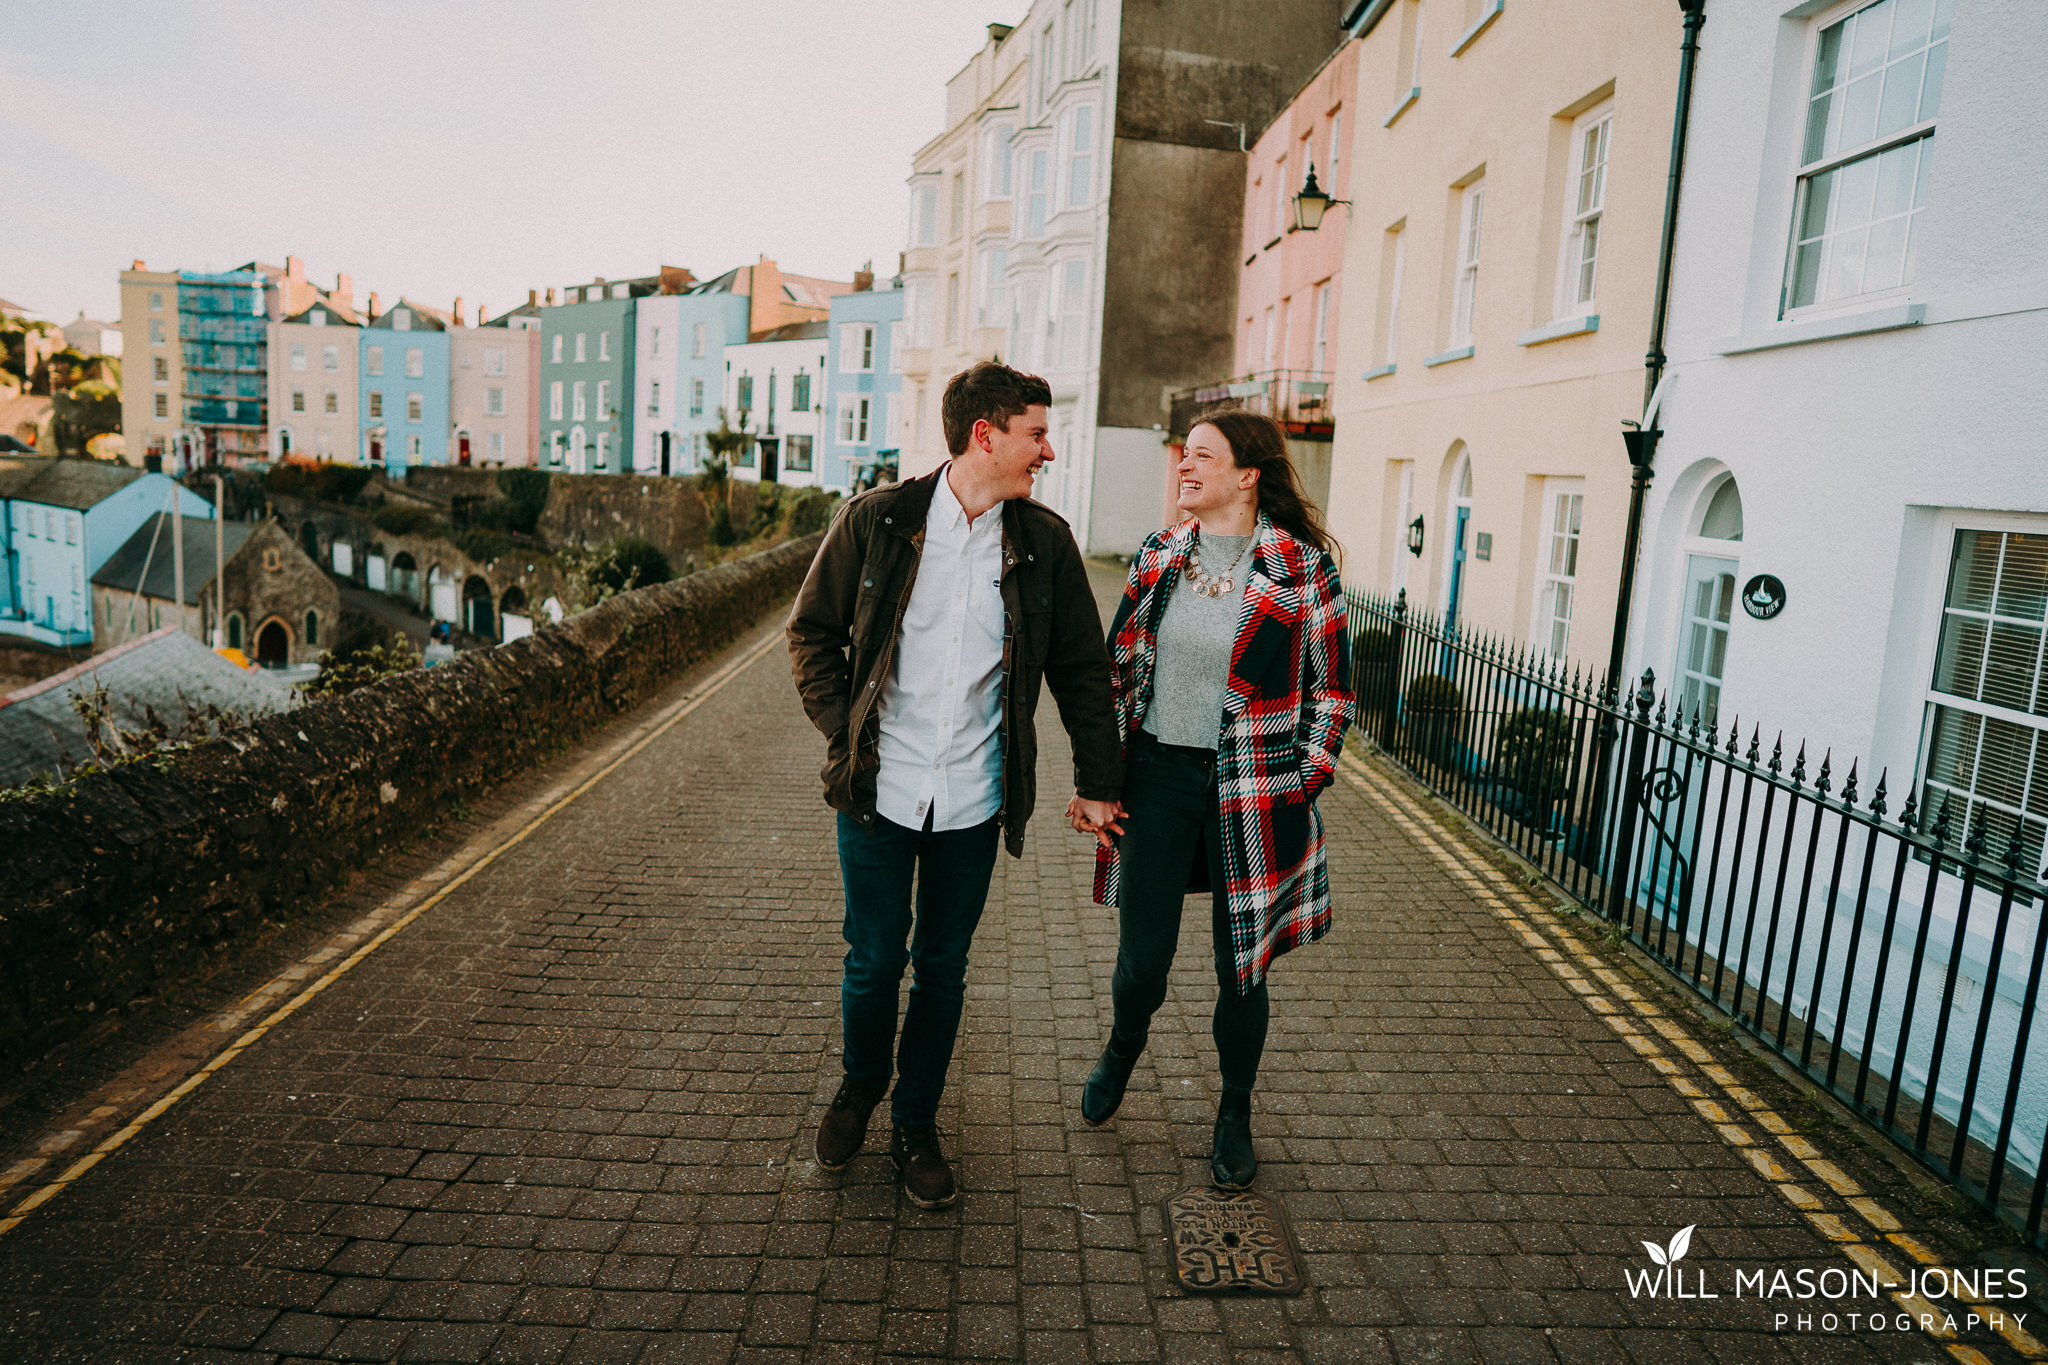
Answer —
1312 203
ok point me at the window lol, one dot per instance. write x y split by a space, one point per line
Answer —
298 356
401 319
312 627
413 407
604 345
494 361
330 358
557 355
1336 157
1035 199
298 400
319 319
744 393
604 443
555 401
331 402
604 400
920 305
959 204
1985 751
796 454
160 369
853 420
995 163
163 405
414 447
156 331
234 630
1279 199
1081 157
376 403
323 443
1467 288
577 410
1869 144
696 398
696 341
1560 573
856 348
1027 326
555 444
1272 338
1585 198
415 363
800 392
580 338
156 301
1319 360
1073 289
952 306
497 445
373 360
654 342
994 300
494 402
925 215
654 398
71 538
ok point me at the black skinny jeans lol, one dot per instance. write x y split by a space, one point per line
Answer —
1172 805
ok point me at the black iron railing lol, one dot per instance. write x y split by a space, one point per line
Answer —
1895 959
1298 400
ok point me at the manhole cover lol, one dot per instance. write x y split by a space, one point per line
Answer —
1226 1243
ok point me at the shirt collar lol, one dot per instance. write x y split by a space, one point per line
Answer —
946 509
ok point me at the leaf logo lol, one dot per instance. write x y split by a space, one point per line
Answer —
1680 1242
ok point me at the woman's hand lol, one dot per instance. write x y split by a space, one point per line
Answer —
1099 818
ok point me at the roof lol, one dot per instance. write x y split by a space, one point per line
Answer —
123 571
524 310
792 331
14 310
425 319
83 320
78 484
347 317
164 671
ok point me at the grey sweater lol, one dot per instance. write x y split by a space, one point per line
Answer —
1195 638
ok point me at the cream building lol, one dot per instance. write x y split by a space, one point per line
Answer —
153 366
492 370
313 383
1080 217
1500 266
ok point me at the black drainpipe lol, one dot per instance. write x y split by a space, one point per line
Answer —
1642 445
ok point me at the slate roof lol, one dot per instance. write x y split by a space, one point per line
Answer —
163 670
792 331
335 313
424 318
123 569
78 484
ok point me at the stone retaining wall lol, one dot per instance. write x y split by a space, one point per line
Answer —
129 878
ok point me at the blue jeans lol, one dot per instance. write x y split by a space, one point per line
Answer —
952 870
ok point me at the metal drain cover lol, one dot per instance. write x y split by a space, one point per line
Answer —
1231 1243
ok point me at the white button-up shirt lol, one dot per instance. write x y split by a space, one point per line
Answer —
942 707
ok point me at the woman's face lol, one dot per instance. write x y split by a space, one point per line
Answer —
1210 480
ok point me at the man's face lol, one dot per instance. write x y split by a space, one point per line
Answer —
1015 452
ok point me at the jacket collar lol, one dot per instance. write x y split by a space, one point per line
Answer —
910 503
1270 557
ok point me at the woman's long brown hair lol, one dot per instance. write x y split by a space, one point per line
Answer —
1257 442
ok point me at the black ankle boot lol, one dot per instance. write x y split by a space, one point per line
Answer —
1105 1088
1231 1162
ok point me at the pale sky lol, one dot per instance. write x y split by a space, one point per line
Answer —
480 148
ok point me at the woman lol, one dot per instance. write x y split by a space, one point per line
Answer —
1231 668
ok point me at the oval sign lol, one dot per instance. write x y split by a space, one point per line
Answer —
1763 596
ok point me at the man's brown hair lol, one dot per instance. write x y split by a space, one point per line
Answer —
989 391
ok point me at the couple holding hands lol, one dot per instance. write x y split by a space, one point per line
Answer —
1202 733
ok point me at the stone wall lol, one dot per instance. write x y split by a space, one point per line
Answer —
130 878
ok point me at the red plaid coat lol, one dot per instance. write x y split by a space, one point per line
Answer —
1285 711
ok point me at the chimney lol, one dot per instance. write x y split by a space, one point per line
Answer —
294 268
345 292
864 278
458 310
139 266
481 314
551 297
532 297
373 304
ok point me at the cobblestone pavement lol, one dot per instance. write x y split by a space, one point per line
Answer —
566 1114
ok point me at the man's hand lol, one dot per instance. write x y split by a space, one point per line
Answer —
1099 818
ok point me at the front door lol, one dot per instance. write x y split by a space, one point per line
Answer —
1703 634
769 451
1457 589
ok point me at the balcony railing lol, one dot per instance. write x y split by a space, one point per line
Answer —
1298 400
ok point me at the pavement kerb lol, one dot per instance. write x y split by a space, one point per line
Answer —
1862 1226
378 928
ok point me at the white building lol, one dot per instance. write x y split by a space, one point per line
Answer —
776 387
90 336
1857 396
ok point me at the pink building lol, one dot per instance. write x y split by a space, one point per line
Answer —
1288 286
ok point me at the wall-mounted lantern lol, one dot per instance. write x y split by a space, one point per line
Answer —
1312 203
1415 537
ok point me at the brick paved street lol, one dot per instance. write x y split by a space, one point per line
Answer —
566 1116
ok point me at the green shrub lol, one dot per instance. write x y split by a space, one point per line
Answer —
1433 693
1533 753
483 544
401 519
811 511
526 492
720 531
360 665
628 563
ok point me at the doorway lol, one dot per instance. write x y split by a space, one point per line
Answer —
273 645
1703 635
664 454
770 449
462 449
1461 517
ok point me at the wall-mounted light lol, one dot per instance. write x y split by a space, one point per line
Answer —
1312 203
1415 537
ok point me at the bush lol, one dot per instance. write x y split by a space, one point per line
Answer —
720 530
526 495
811 512
483 544
628 563
1534 751
1372 660
326 482
401 519
362 664
1433 693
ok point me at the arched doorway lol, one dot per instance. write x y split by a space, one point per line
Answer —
514 622
442 601
1458 519
462 446
405 577
274 644
578 456
309 537
1713 565
477 616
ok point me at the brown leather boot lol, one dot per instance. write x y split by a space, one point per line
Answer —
844 1127
927 1179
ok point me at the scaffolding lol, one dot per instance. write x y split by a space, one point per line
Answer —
222 326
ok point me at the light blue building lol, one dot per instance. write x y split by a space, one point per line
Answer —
59 522
863 386
402 383
679 356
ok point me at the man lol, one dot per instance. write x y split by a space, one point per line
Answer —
919 639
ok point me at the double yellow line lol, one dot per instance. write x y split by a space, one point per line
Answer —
114 1141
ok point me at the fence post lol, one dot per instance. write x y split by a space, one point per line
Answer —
1631 795
1390 687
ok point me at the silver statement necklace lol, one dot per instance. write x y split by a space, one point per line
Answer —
1213 585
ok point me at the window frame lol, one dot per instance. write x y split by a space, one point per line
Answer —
1563 534
1470 242
1580 223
